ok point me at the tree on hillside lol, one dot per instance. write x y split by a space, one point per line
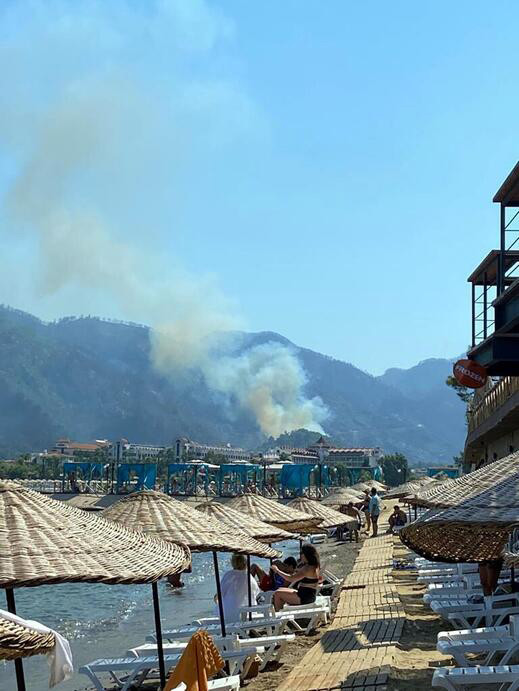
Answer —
395 469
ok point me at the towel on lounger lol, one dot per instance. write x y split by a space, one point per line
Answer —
199 662
60 658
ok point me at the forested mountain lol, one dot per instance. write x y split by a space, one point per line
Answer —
90 378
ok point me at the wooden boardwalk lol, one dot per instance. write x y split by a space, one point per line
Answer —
359 647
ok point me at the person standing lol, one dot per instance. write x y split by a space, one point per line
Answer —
365 510
374 511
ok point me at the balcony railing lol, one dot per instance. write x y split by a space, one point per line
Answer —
492 401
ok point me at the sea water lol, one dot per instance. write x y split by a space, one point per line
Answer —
107 620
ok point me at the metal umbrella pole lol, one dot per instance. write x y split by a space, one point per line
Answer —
18 664
158 631
249 590
219 593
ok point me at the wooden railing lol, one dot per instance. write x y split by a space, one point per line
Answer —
492 401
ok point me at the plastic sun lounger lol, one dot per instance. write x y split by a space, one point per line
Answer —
272 626
269 648
462 604
316 613
136 669
459 589
487 616
506 647
501 677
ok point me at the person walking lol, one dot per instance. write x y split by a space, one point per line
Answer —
374 511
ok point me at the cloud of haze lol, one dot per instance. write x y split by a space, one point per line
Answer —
100 118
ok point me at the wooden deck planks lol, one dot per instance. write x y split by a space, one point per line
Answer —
358 649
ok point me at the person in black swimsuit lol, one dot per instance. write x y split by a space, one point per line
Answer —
306 578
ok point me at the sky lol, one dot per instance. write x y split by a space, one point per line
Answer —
322 170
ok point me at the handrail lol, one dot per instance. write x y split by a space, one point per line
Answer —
492 401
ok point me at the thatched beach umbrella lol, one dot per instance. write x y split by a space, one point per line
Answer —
18 641
480 510
242 522
158 514
44 541
276 514
330 518
343 497
404 489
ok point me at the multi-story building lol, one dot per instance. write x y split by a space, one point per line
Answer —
186 449
123 450
493 415
67 447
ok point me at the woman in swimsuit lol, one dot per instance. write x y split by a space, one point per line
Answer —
307 577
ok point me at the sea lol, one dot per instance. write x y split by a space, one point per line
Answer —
107 620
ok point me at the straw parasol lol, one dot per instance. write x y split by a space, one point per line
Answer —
274 513
18 641
377 485
330 518
404 489
44 541
363 486
340 498
244 523
482 510
158 514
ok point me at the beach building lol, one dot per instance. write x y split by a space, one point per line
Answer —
66 447
186 449
124 450
493 418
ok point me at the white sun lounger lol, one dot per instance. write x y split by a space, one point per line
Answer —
488 616
272 626
463 604
316 613
269 648
499 677
506 648
136 669
475 633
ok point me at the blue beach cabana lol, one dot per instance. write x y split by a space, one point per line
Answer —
236 478
77 474
297 480
134 477
191 479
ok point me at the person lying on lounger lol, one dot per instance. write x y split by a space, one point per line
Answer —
306 579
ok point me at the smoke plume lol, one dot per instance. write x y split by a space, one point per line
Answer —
99 121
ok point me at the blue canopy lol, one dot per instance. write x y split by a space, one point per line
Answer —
84 469
185 476
297 478
146 475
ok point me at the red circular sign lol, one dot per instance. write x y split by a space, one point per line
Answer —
470 373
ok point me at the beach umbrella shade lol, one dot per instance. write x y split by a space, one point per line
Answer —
44 541
377 485
482 510
242 522
404 489
276 514
363 486
330 517
340 498
18 641
158 514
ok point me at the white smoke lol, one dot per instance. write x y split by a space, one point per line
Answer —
93 142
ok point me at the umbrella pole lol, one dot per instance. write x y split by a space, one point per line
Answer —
415 512
158 631
219 593
249 592
18 664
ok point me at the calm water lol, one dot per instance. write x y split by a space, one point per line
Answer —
105 621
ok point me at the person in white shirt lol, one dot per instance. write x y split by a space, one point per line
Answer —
374 511
234 588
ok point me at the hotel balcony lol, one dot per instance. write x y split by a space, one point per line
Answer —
495 291
493 423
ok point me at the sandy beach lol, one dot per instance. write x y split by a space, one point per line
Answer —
417 657
339 558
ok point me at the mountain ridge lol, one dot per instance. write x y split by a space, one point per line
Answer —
88 377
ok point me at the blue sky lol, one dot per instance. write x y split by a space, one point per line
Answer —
327 167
